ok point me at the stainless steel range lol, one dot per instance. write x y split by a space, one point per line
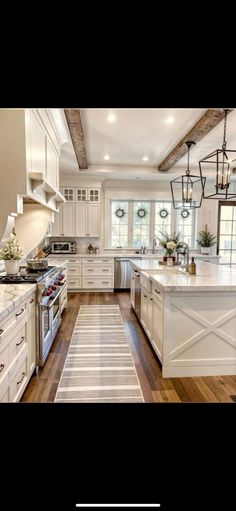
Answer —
51 285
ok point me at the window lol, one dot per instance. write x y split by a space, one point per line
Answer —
141 224
185 224
163 217
227 232
119 224
136 223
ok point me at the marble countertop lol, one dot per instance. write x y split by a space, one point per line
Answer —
157 255
58 262
11 295
209 277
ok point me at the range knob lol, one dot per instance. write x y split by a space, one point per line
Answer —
54 287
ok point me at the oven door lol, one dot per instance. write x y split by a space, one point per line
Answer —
45 332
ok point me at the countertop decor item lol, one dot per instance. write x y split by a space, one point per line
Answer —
11 254
90 249
206 240
120 212
141 212
163 213
170 243
183 190
222 161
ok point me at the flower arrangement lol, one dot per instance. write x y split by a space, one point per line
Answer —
11 249
206 238
170 242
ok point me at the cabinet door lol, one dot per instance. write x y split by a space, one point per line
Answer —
132 290
57 225
149 316
81 220
93 220
81 195
31 342
69 194
38 145
68 219
157 327
94 195
52 173
144 305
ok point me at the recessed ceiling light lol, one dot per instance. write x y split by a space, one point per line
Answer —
170 119
106 157
145 158
111 117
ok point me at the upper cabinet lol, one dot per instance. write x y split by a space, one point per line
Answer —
29 162
88 195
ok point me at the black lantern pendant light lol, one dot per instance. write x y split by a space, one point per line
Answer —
221 160
183 188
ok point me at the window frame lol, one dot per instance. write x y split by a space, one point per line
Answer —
220 204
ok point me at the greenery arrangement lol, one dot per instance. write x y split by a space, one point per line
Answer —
11 249
206 238
170 242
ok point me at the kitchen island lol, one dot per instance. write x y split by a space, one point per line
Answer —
190 320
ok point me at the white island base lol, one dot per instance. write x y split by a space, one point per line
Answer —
199 334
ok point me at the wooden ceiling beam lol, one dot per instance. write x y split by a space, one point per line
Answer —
74 122
206 123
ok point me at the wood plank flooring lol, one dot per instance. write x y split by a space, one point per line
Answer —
42 387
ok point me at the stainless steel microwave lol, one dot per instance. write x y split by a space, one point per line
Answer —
67 247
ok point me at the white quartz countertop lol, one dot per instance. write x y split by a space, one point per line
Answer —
11 295
58 262
129 255
209 277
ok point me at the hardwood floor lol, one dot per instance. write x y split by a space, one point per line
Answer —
43 386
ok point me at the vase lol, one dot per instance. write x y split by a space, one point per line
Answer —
168 255
12 266
205 250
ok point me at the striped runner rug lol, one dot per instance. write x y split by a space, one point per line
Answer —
99 367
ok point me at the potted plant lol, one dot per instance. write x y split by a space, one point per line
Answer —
170 243
11 254
206 240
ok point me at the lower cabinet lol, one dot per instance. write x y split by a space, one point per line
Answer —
132 289
146 311
17 350
157 326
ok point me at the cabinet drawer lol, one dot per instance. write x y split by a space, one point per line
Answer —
4 361
74 283
73 270
12 321
157 293
98 260
18 381
74 261
5 390
18 342
31 305
98 270
95 283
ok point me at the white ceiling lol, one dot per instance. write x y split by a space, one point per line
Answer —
137 133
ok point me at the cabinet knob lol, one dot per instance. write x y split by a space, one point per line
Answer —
2 367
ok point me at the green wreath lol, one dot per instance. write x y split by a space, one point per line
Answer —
185 213
120 212
163 213
141 212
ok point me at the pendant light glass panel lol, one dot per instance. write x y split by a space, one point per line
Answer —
187 190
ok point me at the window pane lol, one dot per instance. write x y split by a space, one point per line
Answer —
141 223
226 212
186 226
162 217
119 224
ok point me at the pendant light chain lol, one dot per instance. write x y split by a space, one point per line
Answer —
224 136
187 171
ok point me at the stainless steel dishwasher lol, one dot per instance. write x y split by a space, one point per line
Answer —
122 272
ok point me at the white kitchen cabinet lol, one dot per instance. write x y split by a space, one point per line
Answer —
149 316
94 195
69 194
88 195
52 172
38 145
144 308
64 221
157 326
93 220
31 335
87 220
81 220
81 195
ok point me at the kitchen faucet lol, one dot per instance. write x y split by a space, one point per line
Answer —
154 244
185 253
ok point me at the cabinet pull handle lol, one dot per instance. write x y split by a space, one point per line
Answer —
105 270
72 270
2 367
1 331
157 292
91 270
72 282
19 343
151 299
105 282
32 300
145 296
19 313
90 282
18 382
